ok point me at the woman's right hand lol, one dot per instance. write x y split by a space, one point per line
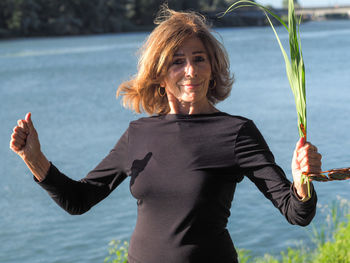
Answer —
24 139
25 142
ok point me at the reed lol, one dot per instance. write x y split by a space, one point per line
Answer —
295 67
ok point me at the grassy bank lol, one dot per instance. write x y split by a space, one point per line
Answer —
334 251
331 242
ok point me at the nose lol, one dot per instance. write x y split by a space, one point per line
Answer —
190 70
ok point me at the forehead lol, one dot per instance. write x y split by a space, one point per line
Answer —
191 45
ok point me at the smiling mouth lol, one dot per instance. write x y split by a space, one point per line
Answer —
191 84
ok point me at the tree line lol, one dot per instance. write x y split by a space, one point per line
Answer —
23 18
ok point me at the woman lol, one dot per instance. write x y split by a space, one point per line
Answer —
184 161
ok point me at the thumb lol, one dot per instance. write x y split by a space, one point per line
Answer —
28 119
295 163
300 143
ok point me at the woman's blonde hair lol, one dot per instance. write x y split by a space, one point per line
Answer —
141 92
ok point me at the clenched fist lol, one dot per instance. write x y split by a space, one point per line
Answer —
24 139
306 158
25 142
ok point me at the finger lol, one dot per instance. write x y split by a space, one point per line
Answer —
15 145
18 140
315 165
300 144
26 127
295 162
308 150
22 124
309 156
28 119
306 147
312 148
309 170
20 131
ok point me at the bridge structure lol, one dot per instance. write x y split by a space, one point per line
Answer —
321 13
253 16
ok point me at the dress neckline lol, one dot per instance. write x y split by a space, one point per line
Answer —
192 116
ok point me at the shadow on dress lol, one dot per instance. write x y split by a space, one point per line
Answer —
138 166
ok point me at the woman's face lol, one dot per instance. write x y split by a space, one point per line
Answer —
189 72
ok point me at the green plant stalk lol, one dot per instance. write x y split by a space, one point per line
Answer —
295 67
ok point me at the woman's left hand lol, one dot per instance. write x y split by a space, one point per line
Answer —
305 159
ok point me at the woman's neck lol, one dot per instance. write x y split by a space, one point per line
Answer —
192 108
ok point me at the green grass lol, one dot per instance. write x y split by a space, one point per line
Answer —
333 251
331 240
337 250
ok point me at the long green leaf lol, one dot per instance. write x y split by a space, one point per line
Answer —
248 3
295 68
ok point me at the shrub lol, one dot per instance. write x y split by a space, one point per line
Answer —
118 252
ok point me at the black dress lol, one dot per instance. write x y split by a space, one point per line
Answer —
183 172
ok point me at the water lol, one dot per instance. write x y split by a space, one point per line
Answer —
69 85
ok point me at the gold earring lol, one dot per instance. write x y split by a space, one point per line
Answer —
213 86
161 91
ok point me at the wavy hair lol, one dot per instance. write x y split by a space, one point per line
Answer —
173 28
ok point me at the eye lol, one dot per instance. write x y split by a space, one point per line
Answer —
199 59
178 61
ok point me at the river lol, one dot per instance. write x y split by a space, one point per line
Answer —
69 85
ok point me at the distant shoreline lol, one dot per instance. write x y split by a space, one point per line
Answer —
63 26
137 30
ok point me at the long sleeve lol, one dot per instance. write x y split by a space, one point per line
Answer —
258 164
77 197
